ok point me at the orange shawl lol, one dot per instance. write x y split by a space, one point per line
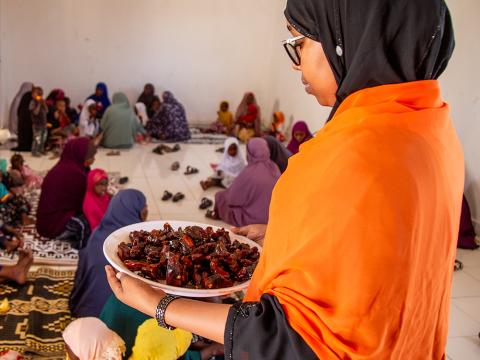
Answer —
361 240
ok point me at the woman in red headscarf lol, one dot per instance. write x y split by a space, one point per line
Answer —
97 197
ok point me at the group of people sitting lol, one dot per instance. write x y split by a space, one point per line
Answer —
45 124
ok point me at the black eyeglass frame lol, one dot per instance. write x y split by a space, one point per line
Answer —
291 47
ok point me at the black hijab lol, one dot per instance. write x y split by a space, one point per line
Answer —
377 42
279 154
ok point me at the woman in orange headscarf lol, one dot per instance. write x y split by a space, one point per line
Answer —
359 250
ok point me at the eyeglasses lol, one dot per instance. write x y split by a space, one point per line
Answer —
291 47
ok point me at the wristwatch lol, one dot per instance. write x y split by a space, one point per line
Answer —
162 308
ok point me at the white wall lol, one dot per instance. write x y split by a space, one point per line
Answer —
204 51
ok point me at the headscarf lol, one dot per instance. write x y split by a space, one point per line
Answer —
294 145
120 124
243 110
142 112
91 290
54 96
90 339
63 189
377 42
153 342
86 126
278 153
13 118
95 206
147 99
104 99
4 166
232 166
247 200
170 123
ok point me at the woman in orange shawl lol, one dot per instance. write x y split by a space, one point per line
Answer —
359 250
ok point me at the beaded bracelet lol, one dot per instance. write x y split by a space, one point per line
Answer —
161 309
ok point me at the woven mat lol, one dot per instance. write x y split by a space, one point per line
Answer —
47 251
199 138
38 315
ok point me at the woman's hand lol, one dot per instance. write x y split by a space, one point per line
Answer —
133 292
254 232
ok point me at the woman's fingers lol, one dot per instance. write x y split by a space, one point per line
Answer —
244 230
113 281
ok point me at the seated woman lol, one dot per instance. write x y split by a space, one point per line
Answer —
91 291
248 118
147 97
300 134
119 124
229 168
224 123
90 339
246 201
278 153
59 213
24 173
88 124
170 123
97 197
101 97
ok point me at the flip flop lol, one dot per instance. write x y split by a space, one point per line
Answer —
158 150
205 204
123 180
166 148
167 195
175 166
220 150
176 148
191 170
113 153
178 196
458 265
212 214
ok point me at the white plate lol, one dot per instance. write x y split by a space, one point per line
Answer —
110 248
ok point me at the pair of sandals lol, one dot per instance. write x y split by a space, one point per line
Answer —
205 204
191 170
160 149
167 195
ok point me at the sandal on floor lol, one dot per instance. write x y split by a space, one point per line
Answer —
176 148
205 204
123 180
220 150
158 150
167 195
204 185
175 166
458 265
113 153
212 214
166 148
191 170
178 196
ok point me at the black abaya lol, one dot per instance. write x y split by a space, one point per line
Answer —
25 133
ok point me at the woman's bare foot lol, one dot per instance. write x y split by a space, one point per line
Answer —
18 272
12 244
205 184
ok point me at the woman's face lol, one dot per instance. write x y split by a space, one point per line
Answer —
250 99
233 150
144 213
299 136
101 187
93 110
99 92
317 75
156 105
148 89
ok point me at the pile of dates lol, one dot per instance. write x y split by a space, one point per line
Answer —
193 257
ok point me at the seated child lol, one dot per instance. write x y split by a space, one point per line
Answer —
14 209
276 127
97 197
230 167
224 123
248 118
38 113
89 125
22 174
300 134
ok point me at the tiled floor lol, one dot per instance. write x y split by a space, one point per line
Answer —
151 173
